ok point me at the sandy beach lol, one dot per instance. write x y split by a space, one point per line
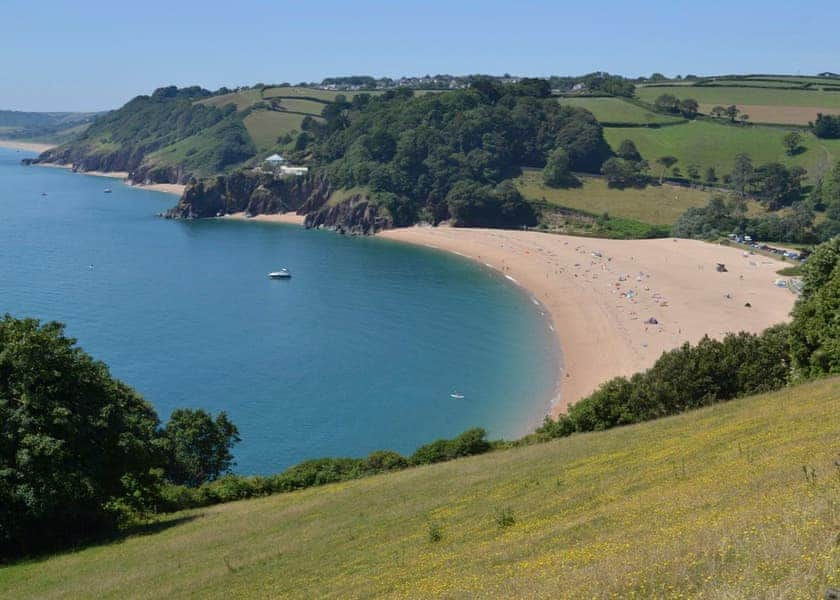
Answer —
290 218
602 295
27 146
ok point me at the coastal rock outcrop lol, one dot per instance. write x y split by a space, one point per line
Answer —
259 193
356 215
250 192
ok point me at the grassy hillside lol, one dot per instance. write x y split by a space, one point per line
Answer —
707 144
737 500
657 205
763 101
47 127
617 110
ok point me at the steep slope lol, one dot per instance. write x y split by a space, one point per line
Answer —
737 500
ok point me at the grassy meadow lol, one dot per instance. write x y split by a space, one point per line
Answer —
744 96
265 126
708 144
657 205
738 500
617 110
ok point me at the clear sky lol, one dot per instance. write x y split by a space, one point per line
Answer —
96 54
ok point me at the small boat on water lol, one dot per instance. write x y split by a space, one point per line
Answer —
108 190
457 395
281 274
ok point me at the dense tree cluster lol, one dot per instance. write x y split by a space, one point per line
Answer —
420 148
826 126
122 139
722 216
668 103
815 330
627 168
80 450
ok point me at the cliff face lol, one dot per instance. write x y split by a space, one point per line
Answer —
254 193
262 193
355 216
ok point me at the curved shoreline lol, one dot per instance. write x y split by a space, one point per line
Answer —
599 294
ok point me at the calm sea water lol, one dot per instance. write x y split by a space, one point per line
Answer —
359 351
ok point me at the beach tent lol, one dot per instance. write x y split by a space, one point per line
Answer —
275 159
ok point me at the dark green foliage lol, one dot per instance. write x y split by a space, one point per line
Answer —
826 126
420 148
556 171
724 216
198 447
121 140
682 379
505 517
815 331
776 185
473 205
435 533
472 441
612 85
622 173
73 440
791 142
668 103
628 151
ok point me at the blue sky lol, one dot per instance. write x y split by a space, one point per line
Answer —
94 55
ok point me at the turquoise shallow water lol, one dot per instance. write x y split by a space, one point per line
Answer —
359 351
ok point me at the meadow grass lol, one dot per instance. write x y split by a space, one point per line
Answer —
708 144
738 500
744 96
616 110
265 126
304 106
657 205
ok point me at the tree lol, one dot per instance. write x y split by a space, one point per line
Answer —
199 447
743 118
667 103
689 108
732 112
791 142
693 172
815 330
826 126
621 173
73 440
667 162
556 171
718 112
628 151
742 171
776 185
711 176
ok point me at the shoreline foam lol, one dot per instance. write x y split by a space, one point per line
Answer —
599 294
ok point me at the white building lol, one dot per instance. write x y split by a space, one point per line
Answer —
297 171
275 160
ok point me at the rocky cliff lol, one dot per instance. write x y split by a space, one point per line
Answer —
250 192
263 193
356 215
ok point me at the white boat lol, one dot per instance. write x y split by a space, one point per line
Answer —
281 274
108 190
457 395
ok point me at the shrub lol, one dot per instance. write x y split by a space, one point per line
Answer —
505 517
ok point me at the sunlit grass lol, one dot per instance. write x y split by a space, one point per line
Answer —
740 500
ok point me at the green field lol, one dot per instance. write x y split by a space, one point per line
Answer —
744 96
657 205
616 110
265 126
712 503
303 106
708 144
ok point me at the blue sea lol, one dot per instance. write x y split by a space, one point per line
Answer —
359 351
